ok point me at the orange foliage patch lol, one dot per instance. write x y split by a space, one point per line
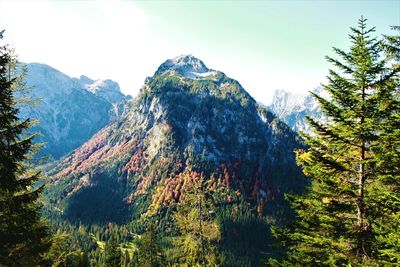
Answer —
95 152
135 163
170 191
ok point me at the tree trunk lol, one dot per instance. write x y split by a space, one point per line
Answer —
361 171
360 197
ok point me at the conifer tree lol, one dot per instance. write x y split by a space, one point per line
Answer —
112 253
63 252
386 190
150 251
337 214
23 235
84 262
134 262
199 229
125 259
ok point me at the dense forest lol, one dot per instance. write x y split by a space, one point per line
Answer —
348 214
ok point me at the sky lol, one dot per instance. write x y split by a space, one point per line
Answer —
266 45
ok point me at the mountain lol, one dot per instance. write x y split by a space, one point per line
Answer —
106 89
292 108
187 66
70 110
187 119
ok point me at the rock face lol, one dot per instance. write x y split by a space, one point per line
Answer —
187 66
70 111
106 89
293 108
186 117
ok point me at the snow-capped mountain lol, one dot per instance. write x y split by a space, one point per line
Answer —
70 110
292 108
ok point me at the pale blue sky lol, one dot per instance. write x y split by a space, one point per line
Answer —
265 45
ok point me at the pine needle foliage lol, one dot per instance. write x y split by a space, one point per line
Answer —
23 235
348 163
385 191
112 253
150 250
199 229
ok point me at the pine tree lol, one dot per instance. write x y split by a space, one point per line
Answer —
112 253
84 262
199 229
125 259
337 213
63 253
23 235
150 251
134 260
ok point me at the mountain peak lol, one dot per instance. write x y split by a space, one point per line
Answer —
106 89
189 61
292 108
85 80
100 84
186 65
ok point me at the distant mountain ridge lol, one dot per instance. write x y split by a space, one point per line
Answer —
70 110
106 89
293 108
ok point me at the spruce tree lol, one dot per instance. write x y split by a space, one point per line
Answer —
23 235
112 253
337 214
125 259
63 252
150 251
134 260
199 229
386 190
85 261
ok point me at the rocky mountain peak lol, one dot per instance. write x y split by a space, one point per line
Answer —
97 85
186 65
83 80
292 107
70 110
285 102
48 81
107 89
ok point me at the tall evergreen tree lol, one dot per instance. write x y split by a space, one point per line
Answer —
112 253
23 235
63 253
386 190
198 226
150 251
134 261
125 259
337 213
